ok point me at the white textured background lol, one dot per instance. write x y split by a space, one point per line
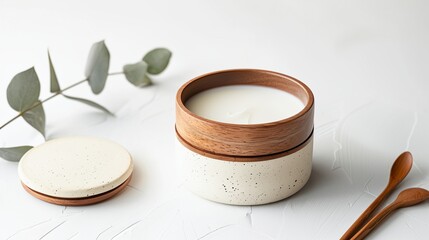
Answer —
366 61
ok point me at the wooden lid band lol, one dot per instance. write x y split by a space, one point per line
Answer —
243 158
244 139
78 201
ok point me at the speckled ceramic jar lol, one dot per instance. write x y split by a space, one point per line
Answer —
245 164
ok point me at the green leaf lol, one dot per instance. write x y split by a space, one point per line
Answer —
14 154
36 118
136 74
97 67
55 86
157 60
90 103
24 90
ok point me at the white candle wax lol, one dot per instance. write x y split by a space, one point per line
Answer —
244 104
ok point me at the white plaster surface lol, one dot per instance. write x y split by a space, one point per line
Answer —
366 62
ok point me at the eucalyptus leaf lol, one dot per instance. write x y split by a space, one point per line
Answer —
97 67
136 74
14 154
157 60
90 103
36 118
23 90
55 86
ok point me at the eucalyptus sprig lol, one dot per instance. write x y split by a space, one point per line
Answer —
23 91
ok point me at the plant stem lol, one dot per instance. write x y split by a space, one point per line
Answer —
49 98
41 102
115 73
14 118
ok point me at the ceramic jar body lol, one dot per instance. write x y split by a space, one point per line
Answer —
245 183
245 164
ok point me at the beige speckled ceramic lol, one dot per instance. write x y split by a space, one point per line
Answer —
75 167
246 183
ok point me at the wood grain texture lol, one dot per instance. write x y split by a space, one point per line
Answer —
233 158
406 198
400 169
77 201
244 139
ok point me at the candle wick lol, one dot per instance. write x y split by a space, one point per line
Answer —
236 114
244 116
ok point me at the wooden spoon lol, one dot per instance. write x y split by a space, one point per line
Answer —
400 169
406 198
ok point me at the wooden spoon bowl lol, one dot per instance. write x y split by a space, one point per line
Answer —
406 198
400 169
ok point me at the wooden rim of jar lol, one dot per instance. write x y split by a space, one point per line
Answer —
219 138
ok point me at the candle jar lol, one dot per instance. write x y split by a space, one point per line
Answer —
245 164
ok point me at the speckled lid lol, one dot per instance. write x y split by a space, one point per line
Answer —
75 167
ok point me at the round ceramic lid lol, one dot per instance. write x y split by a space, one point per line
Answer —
75 167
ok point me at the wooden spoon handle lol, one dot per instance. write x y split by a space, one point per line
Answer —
365 230
365 215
